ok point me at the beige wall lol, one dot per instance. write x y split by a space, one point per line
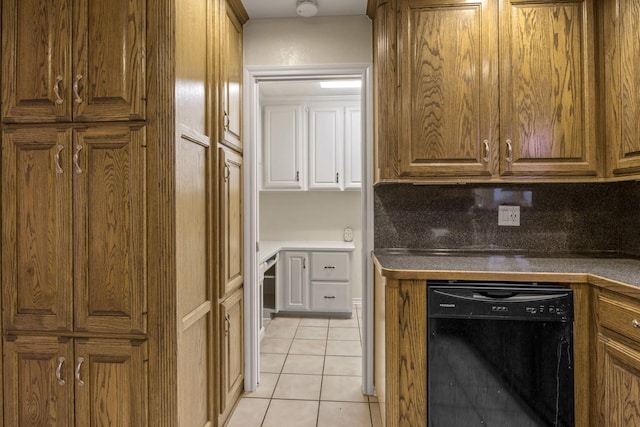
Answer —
302 42
308 41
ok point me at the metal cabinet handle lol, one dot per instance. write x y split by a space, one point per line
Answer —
78 366
330 267
76 91
337 177
227 324
509 158
56 90
59 371
329 297
486 151
227 172
56 159
75 159
297 176
635 323
226 121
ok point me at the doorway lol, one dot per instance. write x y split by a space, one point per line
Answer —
275 80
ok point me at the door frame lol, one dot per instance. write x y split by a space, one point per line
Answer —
253 75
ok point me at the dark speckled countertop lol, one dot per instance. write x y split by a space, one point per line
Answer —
509 265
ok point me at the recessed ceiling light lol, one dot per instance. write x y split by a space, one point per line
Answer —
340 84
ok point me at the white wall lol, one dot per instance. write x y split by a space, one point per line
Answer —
308 41
303 42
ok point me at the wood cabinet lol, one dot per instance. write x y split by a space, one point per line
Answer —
622 86
352 148
73 60
231 350
82 382
233 17
618 360
325 146
231 220
488 91
74 231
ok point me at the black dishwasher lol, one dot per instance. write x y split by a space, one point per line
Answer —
500 354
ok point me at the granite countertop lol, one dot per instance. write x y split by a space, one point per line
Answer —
569 267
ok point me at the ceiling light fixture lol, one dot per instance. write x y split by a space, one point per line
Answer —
307 8
340 84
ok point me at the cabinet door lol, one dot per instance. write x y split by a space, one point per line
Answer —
110 229
232 353
231 68
448 88
547 88
293 278
38 382
231 220
109 60
352 148
111 384
622 85
37 267
282 147
618 383
36 60
325 147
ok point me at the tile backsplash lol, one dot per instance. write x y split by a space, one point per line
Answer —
553 217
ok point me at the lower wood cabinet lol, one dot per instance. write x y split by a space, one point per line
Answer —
618 355
56 381
231 352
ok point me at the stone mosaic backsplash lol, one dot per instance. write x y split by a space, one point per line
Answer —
553 217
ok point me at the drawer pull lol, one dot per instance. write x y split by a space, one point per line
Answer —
329 297
78 367
59 371
331 267
635 323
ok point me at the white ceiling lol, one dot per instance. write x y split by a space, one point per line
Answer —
259 9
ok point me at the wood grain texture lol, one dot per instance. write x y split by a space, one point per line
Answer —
110 272
37 262
548 88
622 86
583 345
109 52
380 342
231 353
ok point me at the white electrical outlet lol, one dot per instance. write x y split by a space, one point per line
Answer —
348 234
509 216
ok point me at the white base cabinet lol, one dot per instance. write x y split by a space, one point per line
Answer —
314 281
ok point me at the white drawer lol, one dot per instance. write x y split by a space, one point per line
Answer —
330 266
330 297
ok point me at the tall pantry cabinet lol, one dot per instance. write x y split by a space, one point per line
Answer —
111 120
74 277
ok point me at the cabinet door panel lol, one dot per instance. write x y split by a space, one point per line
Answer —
36 60
547 89
622 83
111 384
36 230
293 277
33 394
230 170
448 88
618 384
352 148
110 275
231 78
232 355
109 55
282 152
325 147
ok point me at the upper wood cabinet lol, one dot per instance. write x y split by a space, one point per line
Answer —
73 232
233 18
73 60
622 86
488 90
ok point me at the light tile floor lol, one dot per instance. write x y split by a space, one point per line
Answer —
310 377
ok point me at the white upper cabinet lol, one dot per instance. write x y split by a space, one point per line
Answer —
282 148
325 147
311 145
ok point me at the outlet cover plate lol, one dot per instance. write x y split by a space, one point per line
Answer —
509 216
